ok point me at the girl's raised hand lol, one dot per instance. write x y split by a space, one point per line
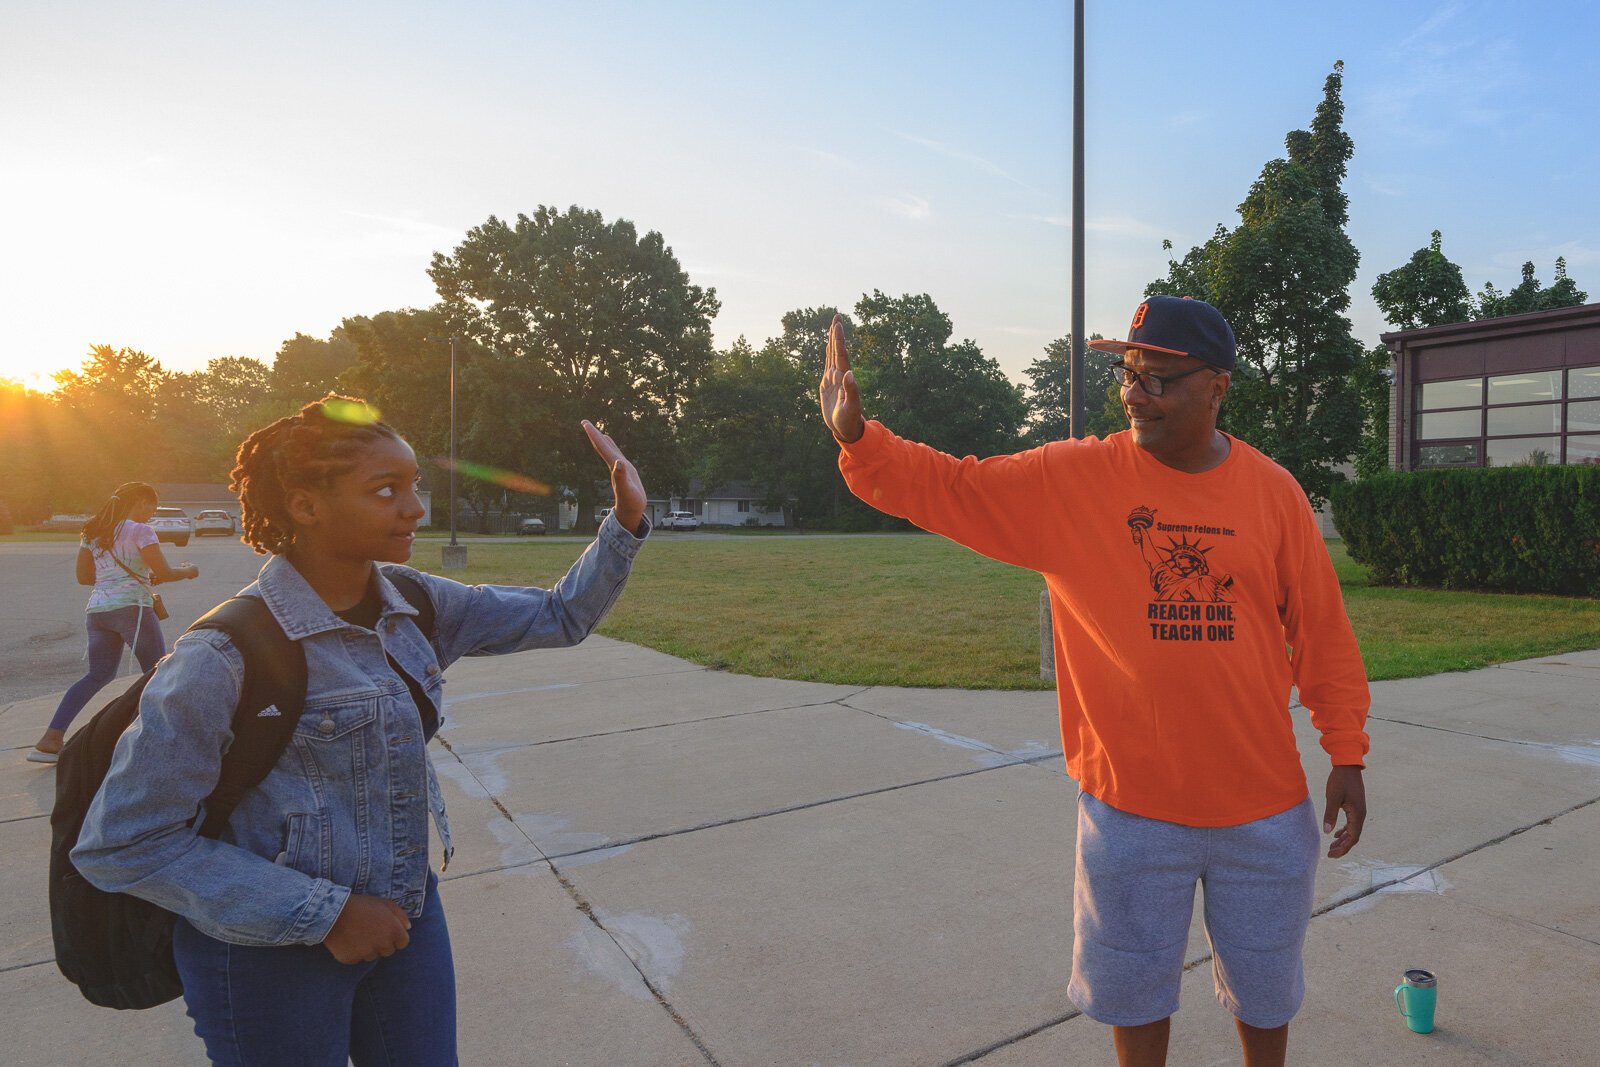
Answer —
626 488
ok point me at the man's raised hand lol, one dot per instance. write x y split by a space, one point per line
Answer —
626 487
841 400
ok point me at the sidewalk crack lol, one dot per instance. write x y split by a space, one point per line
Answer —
659 994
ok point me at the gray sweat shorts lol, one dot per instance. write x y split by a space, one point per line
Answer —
1134 899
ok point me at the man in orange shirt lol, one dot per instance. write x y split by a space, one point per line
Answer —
1190 589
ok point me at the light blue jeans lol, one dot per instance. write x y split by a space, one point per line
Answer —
295 1004
109 632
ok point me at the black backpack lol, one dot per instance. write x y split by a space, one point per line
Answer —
117 948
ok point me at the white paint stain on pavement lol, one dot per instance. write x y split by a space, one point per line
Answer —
551 832
452 701
597 954
1588 752
654 942
447 766
985 753
1392 878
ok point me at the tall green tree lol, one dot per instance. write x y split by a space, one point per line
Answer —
111 426
1282 278
403 367
33 437
1050 394
750 420
949 396
1426 291
589 319
1530 294
307 368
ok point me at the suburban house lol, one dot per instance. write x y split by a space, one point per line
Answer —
1517 390
194 498
729 504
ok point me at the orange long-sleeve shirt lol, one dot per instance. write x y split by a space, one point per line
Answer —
1184 607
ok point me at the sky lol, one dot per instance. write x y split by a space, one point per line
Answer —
197 180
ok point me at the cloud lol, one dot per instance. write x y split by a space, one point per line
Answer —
833 159
1116 225
412 227
1381 187
1425 35
985 165
914 208
1445 74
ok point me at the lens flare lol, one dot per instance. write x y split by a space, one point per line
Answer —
517 483
354 412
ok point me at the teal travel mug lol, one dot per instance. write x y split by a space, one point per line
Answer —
1415 997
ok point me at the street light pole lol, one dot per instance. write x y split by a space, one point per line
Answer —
452 440
455 555
1077 425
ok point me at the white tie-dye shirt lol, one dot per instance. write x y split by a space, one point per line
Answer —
114 587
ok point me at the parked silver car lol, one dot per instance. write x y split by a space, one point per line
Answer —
531 525
213 522
680 520
172 524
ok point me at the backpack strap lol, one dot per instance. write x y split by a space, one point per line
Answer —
410 586
274 677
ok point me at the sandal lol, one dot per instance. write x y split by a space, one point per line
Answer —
36 756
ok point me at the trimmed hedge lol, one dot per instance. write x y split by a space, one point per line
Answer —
1504 529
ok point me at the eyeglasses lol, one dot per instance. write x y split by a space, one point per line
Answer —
1154 384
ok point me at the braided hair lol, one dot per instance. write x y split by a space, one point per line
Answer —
102 526
306 450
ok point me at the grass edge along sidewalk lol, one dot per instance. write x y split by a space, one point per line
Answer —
916 610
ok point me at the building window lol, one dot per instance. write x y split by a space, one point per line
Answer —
1522 452
1535 387
1583 416
1464 392
1459 454
744 505
1508 420
1437 424
1524 419
1583 449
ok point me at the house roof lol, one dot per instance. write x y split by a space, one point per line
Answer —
723 491
196 492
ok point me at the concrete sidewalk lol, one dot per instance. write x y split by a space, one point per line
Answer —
661 864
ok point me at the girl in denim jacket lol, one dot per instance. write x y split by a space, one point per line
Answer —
311 932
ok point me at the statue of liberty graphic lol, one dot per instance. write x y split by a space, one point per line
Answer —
1180 570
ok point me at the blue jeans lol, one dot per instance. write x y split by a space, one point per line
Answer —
109 631
296 1004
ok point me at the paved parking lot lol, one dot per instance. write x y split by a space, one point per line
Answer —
663 864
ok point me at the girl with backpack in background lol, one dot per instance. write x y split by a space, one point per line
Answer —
310 932
120 557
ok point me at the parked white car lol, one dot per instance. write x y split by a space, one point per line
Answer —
213 522
172 524
680 520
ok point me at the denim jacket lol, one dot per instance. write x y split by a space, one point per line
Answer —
345 810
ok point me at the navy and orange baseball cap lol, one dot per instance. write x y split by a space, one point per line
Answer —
1182 326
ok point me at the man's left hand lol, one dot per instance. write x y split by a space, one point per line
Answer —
1347 793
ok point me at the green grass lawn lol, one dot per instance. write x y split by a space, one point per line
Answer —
916 610
21 535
